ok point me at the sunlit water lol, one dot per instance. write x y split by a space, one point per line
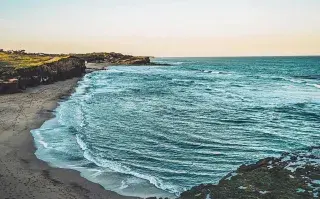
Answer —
159 130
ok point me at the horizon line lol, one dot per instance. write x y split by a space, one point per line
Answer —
153 56
236 56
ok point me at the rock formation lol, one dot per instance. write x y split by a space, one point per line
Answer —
44 74
19 70
113 58
293 175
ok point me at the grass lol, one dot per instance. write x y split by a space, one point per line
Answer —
17 60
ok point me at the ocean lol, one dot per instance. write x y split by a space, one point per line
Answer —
159 130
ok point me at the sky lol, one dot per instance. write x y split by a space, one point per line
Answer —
163 27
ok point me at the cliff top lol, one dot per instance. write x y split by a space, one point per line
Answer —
20 59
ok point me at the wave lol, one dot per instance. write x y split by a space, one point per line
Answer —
298 81
41 140
215 72
315 85
169 62
314 77
177 63
287 79
117 167
295 80
81 143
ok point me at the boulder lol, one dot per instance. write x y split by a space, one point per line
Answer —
9 86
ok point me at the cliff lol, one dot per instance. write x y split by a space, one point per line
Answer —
113 58
19 70
62 69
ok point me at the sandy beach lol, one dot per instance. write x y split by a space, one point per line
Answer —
22 175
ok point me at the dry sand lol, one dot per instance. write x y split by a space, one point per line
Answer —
22 175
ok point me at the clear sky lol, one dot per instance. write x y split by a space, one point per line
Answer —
163 27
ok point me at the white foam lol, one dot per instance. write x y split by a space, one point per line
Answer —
41 140
44 144
81 143
315 85
295 81
176 63
242 187
123 185
97 173
264 192
117 167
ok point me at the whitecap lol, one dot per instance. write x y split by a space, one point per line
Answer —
81 143
296 81
242 187
176 63
315 85
264 192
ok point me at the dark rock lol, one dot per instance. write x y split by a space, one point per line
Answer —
9 86
293 175
113 58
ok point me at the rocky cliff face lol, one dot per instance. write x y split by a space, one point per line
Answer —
14 80
52 67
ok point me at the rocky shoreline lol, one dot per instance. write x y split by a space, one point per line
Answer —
15 79
293 175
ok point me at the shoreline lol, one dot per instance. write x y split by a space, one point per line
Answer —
22 174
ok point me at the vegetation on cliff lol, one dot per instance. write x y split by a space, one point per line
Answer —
19 69
113 58
20 59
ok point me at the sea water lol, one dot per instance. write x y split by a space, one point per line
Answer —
159 130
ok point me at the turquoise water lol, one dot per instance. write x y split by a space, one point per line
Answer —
159 130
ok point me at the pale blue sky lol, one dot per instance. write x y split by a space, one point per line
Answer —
163 27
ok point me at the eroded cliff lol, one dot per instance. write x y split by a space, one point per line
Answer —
19 70
14 79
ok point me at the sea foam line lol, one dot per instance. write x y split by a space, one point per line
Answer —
117 167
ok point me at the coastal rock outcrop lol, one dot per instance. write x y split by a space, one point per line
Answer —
9 86
113 58
24 77
293 175
32 69
60 70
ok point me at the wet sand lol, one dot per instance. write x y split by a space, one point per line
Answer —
22 175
